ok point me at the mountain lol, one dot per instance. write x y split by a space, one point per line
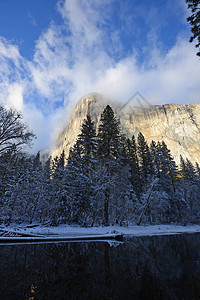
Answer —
177 125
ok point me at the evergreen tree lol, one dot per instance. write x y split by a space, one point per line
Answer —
48 198
36 161
168 168
24 195
58 167
197 168
109 148
87 145
146 168
183 170
37 187
190 169
77 187
109 142
194 21
155 150
87 138
77 183
191 190
197 171
11 171
131 150
188 172
8 162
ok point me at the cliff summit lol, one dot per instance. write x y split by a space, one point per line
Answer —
177 125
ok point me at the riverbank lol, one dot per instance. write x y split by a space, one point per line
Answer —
77 231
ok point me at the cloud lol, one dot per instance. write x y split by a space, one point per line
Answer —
12 75
86 53
15 96
72 60
32 19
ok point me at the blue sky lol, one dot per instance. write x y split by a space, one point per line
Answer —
22 21
54 52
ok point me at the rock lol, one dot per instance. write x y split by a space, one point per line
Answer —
177 125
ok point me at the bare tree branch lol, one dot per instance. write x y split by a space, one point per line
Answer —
13 132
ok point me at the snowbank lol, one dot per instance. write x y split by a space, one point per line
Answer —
77 231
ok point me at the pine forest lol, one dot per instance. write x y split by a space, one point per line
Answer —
107 179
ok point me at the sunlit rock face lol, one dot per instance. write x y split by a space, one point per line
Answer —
177 125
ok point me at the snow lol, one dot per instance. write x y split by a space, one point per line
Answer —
78 232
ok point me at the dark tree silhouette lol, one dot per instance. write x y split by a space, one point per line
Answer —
194 21
13 132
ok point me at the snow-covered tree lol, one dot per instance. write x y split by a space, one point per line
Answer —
131 151
191 190
109 146
87 138
169 169
144 156
109 141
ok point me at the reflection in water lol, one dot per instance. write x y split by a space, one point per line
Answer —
159 267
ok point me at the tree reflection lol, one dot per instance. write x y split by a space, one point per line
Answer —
160 267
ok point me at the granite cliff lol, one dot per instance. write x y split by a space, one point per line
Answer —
177 125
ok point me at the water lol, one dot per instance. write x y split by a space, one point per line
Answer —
159 267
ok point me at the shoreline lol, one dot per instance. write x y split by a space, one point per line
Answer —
74 232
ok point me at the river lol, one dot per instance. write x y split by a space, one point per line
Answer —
158 267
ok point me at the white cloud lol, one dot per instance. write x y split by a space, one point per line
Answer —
9 51
12 74
15 96
76 63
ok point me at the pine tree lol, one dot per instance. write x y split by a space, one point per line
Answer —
194 21
197 168
77 187
36 186
11 171
146 168
131 150
25 193
87 144
188 172
109 146
36 161
87 138
58 167
155 150
183 171
48 198
109 142
190 189
79 170
7 166
168 168
197 171
190 169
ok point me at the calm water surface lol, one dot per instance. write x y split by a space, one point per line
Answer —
159 267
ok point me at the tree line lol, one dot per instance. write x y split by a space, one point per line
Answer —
106 179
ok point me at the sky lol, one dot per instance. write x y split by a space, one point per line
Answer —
54 52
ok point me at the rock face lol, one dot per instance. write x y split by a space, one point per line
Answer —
177 125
